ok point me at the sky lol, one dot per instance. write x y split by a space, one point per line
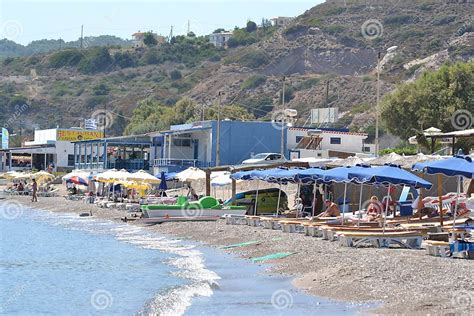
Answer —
24 21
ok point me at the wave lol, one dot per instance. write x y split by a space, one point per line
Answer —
188 260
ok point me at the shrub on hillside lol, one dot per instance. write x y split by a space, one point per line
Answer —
96 60
125 59
175 74
253 82
253 59
66 58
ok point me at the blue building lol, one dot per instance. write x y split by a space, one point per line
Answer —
195 144
180 147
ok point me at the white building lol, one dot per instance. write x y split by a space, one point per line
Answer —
220 39
50 147
280 20
327 143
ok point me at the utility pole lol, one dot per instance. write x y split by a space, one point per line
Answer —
105 118
218 138
171 34
377 107
82 34
282 150
327 93
189 27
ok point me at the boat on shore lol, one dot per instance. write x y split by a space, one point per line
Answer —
205 207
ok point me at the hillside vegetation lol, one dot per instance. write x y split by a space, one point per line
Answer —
328 56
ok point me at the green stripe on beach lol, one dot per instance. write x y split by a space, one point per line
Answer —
242 244
277 255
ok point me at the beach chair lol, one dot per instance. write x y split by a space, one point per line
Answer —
253 220
292 226
438 248
408 239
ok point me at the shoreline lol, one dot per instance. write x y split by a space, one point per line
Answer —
405 281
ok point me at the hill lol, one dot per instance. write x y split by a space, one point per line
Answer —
328 56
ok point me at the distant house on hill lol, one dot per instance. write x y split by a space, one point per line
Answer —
220 39
280 20
139 36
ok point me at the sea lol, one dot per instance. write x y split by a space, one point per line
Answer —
63 264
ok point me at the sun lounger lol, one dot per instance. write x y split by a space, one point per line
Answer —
312 229
292 226
271 222
438 248
410 240
253 220
235 219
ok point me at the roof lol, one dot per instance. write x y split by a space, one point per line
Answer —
328 131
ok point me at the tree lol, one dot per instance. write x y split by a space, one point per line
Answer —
149 116
219 30
175 74
232 112
251 26
436 99
149 39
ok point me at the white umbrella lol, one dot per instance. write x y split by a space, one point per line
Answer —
113 175
191 174
143 176
222 180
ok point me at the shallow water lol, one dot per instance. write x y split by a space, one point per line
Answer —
54 263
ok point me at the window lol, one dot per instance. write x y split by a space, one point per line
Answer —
298 139
335 140
70 160
366 149
182 142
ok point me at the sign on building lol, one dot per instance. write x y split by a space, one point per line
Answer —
90 124
5 138
73 135
324 115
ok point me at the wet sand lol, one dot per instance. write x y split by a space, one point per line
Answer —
404 281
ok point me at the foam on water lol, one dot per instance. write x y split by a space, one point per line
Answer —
188 260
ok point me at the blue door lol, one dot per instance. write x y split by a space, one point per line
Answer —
196 149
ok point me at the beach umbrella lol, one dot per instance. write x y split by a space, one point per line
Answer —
385 159
457 166
241 175
41 176
142 176
311 175
222 180
22 176
163 186
341 175
106 176
191 174
388 175
77 177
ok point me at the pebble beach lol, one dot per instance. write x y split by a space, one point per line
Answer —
408 281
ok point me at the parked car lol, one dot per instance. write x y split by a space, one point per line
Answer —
264 158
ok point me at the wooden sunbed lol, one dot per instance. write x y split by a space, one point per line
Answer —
292 226
410 240
253 220
271 222
438 248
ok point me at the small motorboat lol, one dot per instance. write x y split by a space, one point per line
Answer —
206 207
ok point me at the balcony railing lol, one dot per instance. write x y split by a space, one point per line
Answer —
167 162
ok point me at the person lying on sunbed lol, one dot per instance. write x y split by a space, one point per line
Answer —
332 210
374 210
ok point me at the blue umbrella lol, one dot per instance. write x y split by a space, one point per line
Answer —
283 175
388 175
163 186
310 175
455 166
241 175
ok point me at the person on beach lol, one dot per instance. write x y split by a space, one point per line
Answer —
374 209
34 187
192 196
20 188
332 210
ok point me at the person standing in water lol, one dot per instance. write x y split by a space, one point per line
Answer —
34 187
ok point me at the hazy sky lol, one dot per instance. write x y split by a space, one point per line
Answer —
25 21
